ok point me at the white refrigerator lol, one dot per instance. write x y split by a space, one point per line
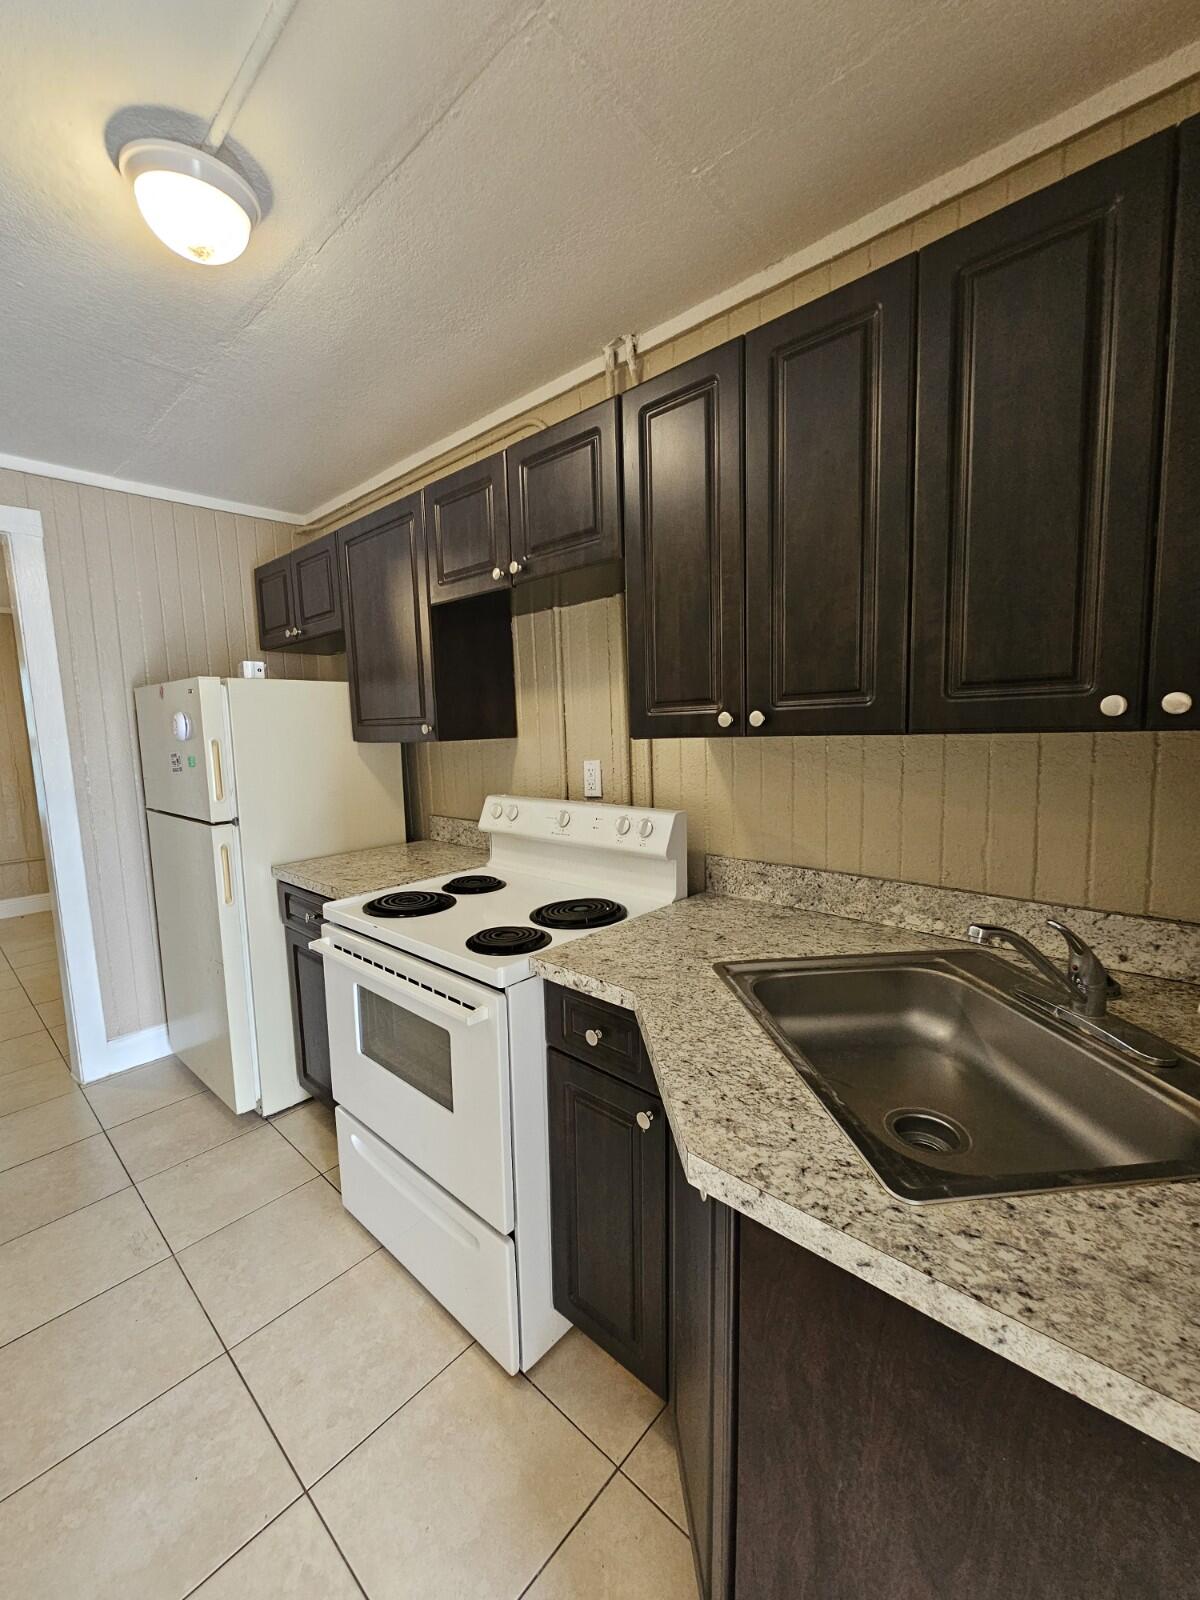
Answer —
241 774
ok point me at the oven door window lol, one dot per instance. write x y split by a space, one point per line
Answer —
416 1050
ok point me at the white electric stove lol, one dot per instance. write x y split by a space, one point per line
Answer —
437 1042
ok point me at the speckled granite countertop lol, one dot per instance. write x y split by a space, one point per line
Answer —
1095 1290
360 871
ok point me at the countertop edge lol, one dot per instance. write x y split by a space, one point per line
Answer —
1140 1407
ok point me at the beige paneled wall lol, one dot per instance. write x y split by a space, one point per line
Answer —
142 590
22 859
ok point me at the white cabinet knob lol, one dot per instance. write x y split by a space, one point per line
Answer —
497 809
623 826
724 719
426 728
756 719
1114 705
564 819
644 1119
1176 703
513 812
514 567
497 574
593 1035
645 827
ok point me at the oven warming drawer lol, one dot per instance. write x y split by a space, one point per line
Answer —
465 1264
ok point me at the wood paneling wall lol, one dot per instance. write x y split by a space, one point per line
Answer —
143 591
22 859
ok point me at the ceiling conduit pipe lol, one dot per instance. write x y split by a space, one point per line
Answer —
275 19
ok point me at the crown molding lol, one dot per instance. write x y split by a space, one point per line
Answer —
152 491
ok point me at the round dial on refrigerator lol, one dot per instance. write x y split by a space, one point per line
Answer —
181 725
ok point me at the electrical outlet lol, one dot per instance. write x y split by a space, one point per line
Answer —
593 784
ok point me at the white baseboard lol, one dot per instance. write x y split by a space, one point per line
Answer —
126 1051
24 905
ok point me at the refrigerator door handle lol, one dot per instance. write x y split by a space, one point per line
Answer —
227 874
218 778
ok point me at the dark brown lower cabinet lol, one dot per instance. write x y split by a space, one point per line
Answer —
608 1196
881 1456
306 978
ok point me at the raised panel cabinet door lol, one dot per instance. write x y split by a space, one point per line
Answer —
1038 411
318 593
608 1214
564 495
275 602
703 1289
388 656
1173 697
828 487
310 1027
682 435
466 525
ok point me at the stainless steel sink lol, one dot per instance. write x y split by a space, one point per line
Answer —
953 1086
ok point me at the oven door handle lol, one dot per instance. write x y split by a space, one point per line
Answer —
421 997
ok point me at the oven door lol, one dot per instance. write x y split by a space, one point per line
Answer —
420 1057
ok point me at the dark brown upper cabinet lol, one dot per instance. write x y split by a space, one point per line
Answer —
828 486
466 525
1038 389
564 495
1173 697
414 674
682 435
299 601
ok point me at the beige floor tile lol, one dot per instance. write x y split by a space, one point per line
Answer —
310 1128
8 978
334 1175
260 1266
43 969
175 1133
598 1395
54 1185
16 1024
33 925
14 1000
152 1507
654 1467
41 985
47 1272
27 1051
69 1380
32 1086
481 1478
25 1135
53 1013
293 1559
132 1094
62 1041
335 1366
624 1549
211 1190
31 953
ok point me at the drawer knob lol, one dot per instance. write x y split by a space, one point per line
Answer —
1176 703
426 728
756 719
514 567
497 574
724 719
644 1119
594 1035
1114 705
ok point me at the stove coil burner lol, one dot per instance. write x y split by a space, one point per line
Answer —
586 912
408 903
474 883
507 941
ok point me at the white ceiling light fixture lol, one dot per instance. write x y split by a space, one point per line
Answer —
196 204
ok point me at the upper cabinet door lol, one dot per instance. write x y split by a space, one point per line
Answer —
387 624
276 605
318 596
683 548
466 524
1037 445
564 495
828 480
1173 700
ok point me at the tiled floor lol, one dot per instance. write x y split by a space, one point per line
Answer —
216 1384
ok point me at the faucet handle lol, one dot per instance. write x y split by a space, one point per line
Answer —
1086 968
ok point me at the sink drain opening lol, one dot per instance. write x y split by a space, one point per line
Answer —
928 1130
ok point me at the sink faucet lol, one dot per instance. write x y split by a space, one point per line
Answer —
1085 983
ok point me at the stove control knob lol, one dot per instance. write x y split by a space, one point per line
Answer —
645 827
512 813
497 809
623 826
564 819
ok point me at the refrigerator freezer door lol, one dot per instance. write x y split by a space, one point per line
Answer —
202 939
187 756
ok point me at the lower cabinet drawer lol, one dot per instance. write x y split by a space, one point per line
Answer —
301 909
598 1033
608 1202
467 1266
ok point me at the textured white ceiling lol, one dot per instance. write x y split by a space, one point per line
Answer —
468 198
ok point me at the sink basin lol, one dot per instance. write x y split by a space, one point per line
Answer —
953 1087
